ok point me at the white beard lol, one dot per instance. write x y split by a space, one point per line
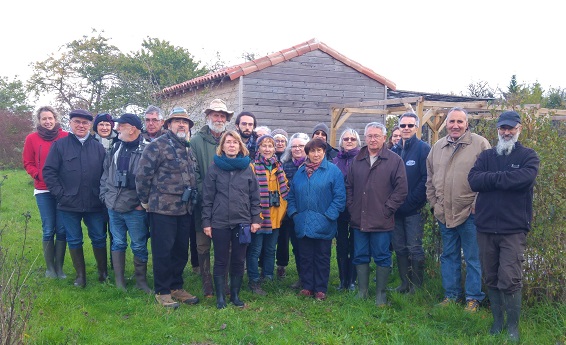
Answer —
181 135
505 147
216 128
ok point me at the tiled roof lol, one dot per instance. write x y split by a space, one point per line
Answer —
273 59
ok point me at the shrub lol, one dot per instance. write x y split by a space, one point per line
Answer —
14 129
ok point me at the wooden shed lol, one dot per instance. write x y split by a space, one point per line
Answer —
293 89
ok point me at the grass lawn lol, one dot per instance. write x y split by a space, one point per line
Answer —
100 314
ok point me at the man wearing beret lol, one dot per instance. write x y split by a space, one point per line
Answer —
504 176
118 192
72 173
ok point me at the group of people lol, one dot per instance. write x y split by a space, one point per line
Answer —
250 191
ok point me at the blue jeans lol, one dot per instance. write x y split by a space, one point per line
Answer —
94 222
372 244
269 244
454 240
408 237
134 222
51 221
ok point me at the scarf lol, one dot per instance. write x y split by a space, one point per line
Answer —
311 167
344 159
261 165
230 164
48 134
299 162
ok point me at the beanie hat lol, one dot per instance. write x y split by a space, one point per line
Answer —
262 138
321 127
280 131
102 118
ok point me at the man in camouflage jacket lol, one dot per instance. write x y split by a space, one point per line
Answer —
166 182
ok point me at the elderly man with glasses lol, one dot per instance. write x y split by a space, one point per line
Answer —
153 123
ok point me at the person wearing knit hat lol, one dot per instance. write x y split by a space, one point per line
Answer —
281 139
321 131
104 132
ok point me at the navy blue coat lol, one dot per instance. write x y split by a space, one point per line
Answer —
414 153
505 184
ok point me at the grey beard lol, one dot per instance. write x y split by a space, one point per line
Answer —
215 128
505 147
181 135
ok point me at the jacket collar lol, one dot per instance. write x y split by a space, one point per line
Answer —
465 139
364 153
207 135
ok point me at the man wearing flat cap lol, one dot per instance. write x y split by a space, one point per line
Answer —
204 146
72 173
118 192
166 182
504 176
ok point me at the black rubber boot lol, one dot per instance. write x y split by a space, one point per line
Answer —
381 278
363 280
403 268
416 275
219 282
140 274
235 286
60 249
101 263
497 310
513 309
78 258
49 256
342 273
119 263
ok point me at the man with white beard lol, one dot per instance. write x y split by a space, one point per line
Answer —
504 176
204 146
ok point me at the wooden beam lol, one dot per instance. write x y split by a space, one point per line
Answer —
420 115
335 115
465 105
409 107
378 103
366 111
343 119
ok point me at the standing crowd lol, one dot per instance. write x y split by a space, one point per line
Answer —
249 192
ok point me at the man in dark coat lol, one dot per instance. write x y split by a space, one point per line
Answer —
72 173
504 176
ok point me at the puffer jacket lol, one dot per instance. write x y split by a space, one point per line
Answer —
315 203
124 198
447 188
72 173
34 155
166 168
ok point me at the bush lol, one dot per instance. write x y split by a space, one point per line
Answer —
13 132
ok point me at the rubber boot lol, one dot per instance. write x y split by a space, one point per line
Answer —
140 274
403 268
78 258
416 275
235 286
352 276
219 283
49 256
204 263
363 280
119 263
496 306
101 263
513 308
342 273
381 278
60 249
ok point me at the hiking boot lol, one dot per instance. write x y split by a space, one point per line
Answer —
305 293
183 296
446 302
281 272
320 296
255 286
166 301
472 305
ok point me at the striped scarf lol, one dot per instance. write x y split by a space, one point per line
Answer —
261 165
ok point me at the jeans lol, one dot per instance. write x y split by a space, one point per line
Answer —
51 222
228 251
268 242
454 240
95 225
408 237
134 223
315 263
372 244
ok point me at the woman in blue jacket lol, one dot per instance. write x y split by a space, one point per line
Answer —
317 197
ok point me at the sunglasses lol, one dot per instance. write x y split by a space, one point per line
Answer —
410 125
349 139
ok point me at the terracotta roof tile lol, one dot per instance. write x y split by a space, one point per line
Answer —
246 68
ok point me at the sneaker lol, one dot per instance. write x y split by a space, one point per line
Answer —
472 305
183 296
320 296
281 272
446 302
305 293
166 301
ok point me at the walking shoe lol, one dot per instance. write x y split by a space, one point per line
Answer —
320 296
472 305
281 272
446 302
166 301
305 293
183 296
256 288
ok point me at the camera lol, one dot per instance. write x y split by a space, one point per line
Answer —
121 178
190 194
274 199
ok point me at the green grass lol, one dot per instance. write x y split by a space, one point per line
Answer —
100 314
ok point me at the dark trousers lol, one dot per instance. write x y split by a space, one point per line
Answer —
193 244
170 250
282 254
223 239
344 240
502 257
296 245
315 263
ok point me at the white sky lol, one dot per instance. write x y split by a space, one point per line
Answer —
432 46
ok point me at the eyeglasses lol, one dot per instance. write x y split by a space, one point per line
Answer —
349 139
246 124
410 125
80 123
298 147
374 136
280 141
507 128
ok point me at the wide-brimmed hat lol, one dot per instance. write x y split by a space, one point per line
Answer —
219 105
178 113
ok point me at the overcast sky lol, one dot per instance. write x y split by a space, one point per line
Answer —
431 46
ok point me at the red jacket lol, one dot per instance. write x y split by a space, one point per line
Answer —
34 155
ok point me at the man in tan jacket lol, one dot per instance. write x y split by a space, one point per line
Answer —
453 204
